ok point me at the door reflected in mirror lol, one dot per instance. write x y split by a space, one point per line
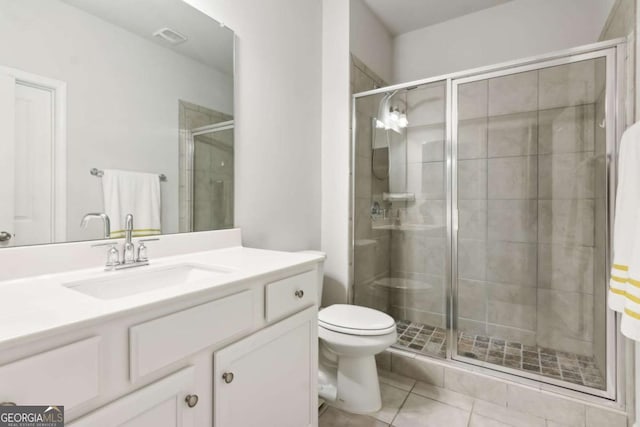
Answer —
110 107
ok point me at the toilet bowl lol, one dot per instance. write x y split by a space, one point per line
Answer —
350 336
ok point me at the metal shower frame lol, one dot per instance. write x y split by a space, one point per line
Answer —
614 51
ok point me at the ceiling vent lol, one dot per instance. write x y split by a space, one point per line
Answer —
170 36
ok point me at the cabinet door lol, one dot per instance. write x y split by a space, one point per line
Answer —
270 378
161 404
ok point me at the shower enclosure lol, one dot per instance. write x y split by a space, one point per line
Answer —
482 206
210 153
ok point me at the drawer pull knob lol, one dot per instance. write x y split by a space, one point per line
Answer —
192 400
299 293
7 404
227 377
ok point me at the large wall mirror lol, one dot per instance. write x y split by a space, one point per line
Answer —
110 107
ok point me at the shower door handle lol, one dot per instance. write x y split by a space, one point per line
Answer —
5 236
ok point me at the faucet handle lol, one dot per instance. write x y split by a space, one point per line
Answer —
113 257
142 249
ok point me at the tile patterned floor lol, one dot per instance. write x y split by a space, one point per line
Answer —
410 403
550 363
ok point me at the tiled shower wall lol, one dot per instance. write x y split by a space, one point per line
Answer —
371 247
418 244
527 197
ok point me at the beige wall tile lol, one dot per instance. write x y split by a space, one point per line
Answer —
472 300
564 315
426 180
472 179
566 221
514 263
480 387
567 129
513 220
426 105
597 417
513 178
472 139
516 93
566 267
472 219
472 100
513 135
418 369
425 144
472 255
566 176
506 415
567 85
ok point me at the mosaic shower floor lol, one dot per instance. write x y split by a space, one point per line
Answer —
547 362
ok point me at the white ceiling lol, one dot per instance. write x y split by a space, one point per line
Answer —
208 42
402 16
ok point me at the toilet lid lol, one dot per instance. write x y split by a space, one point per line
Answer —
356 320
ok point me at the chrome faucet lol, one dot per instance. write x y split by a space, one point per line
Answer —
102 216
129 259
128 255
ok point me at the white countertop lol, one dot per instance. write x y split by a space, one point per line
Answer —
41 304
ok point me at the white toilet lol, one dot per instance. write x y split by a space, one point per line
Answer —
350 336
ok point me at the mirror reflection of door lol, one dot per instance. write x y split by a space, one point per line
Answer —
27 175
213 178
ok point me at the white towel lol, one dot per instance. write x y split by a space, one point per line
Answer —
132 193
624 284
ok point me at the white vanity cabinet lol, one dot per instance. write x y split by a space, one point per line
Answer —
265 380
240 356
164 403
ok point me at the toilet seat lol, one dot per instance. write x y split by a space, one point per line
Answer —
356 320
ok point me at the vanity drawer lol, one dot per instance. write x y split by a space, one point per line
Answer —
67 375
290 295
162 341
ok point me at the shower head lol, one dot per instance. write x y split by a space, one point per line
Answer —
390 116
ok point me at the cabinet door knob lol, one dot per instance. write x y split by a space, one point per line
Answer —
299 293
192 400
227 377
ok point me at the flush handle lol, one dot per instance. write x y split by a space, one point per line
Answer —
299 293
192 400
227 377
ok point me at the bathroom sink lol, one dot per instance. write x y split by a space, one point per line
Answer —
124 283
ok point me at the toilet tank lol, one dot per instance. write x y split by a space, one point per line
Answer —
320 272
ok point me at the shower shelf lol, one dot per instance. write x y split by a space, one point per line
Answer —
405 227
399 197
402 284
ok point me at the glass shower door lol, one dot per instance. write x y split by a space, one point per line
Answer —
530 246
213 180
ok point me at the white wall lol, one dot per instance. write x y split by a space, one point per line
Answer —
516 29
278 113
335 149
369 40
123 96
